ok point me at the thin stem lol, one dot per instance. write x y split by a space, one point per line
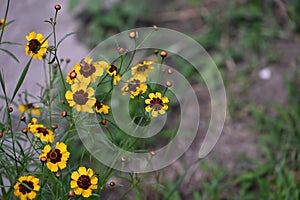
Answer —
5 17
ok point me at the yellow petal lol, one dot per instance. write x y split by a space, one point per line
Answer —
158 95
161 112
148 109
69 95
151 95
82 171
94 180
154 113
46 149
86 193
165 99
73 184
75 175
62 165
90 172
31 195
78 191
147 101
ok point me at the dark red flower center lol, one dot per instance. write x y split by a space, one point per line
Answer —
142 68
132 85
25 189
112 69
156 103
42 130
86 69
54 156
34 45
80 97
84 182
98 105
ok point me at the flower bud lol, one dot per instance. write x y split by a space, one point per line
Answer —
57 7
64 113
10 109
71 193
132 34
163 54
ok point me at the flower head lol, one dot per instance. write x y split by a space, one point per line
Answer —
56 158
88 71
134 87
36 46
101 108
113 71
142 70
2 23
40 131
30 109
72 76
156 104
83 181
26 187
81 98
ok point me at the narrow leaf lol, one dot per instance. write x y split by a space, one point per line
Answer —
21 79
10 54
65 37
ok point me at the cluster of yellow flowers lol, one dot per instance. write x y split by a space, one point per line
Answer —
81 95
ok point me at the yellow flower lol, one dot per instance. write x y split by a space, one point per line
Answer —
29 108
142 70
72 76
2 23
89 71
83 181
56 158
81 98
113 71
40 131
101 108
26 187
36 46
134 87
156 104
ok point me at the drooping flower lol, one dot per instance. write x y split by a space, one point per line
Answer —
36 46
57 157
2 23
134 87
89 72
30 109
113 71
40 131
142 70
83 181
81 98
26 187
101 108
156 104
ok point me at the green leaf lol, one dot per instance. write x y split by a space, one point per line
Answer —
21 79
65 37
10 54
11 43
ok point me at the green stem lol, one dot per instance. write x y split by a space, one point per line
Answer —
5 17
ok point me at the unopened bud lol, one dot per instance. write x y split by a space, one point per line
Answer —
57 7
163 54
71 193
64 113
132 34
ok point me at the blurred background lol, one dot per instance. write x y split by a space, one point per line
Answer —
256 46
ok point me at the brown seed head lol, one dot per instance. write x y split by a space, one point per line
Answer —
54 126
123 159
103 121
43 159
57 7
121 50
68 60
23 118
132 34
24 130
10 109
168 83
155 51
112 183
155 27
163 54
170 71
71 193
64 113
